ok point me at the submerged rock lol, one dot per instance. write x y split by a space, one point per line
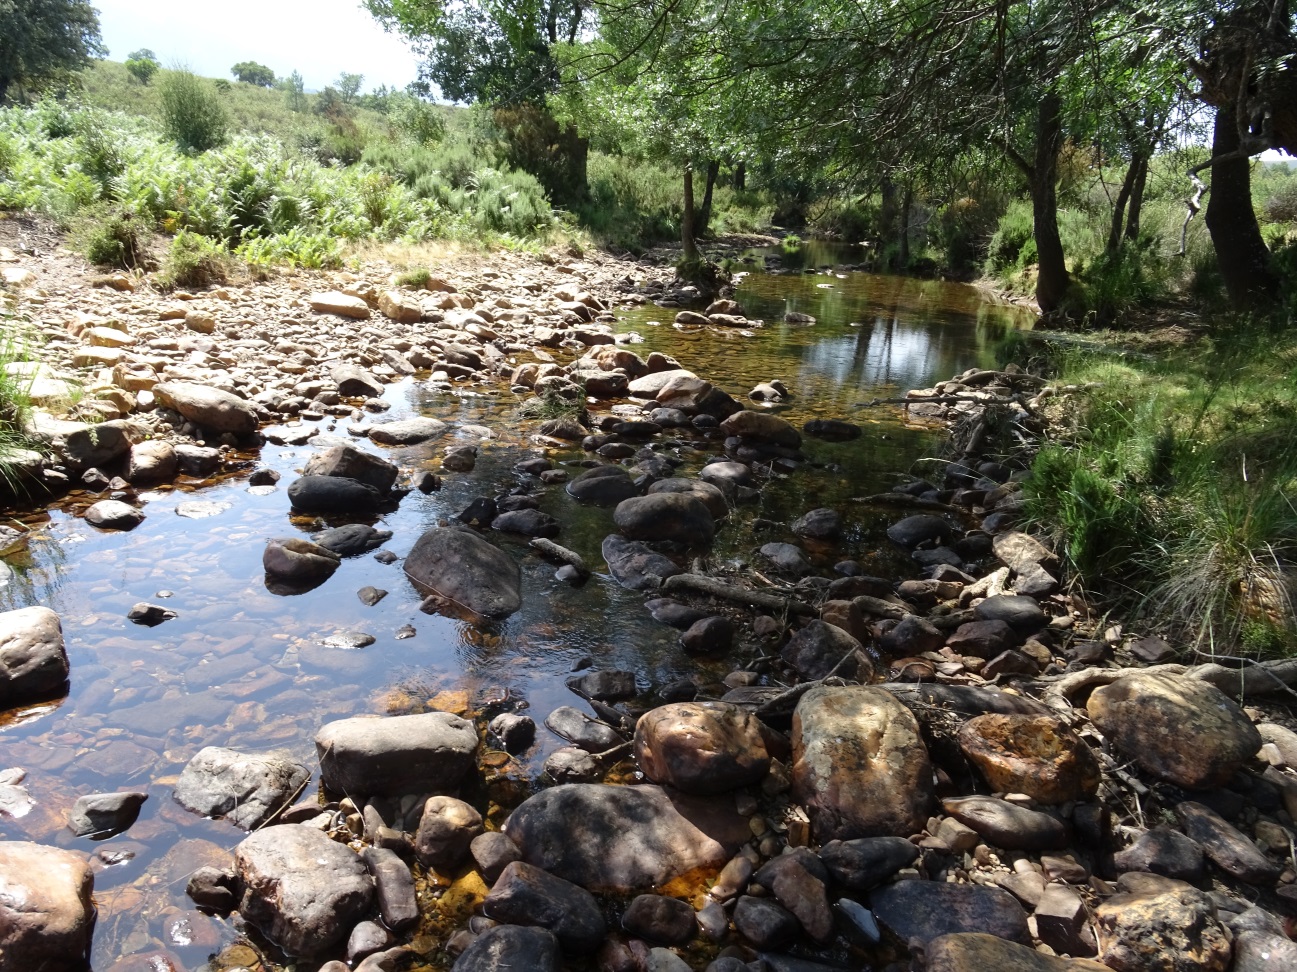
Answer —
679 517
635 566
245 788
104 814
467 570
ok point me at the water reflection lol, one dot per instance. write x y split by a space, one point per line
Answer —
242 667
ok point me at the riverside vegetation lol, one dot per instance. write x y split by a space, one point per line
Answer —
1023 704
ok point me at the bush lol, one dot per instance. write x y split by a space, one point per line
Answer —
194 261
101 154
1013 245
193 114
116 240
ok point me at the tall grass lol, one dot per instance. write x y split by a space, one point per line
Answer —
15 400
1171 488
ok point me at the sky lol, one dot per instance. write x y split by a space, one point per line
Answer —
320 38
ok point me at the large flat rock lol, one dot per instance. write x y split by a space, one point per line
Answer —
244 788
47 916
208 407
430 752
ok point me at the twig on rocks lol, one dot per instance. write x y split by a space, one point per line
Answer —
771 603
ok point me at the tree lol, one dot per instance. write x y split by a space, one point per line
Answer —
143 65
294 88
349 86
44 42
250 72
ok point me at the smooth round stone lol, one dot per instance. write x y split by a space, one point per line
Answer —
114 515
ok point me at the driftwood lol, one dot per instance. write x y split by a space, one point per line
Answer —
771 603
905 499
1250 678
553 551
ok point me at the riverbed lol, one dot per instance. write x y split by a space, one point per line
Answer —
243 667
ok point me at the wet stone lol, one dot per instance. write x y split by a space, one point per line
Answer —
33 659
349 639
114 515
245 788
352 539
1005 825
673 613
515 732
666 921
492 852
369 596
708 636
606 686
925 910
47 914
570 764
635 566
526 895
104 814
581 730
764 923
423 753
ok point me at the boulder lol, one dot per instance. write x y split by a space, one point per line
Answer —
332 494
678 517
764 923
701 747
1225 846
818 648
1036 755
859 764
114 515
925 910
471 572
430 752
983 639
207 407
622 838
303 890
1172 930
352 539
527 523
526 895
348 462
1177 729
635 566
47 913
821 524
651 384
446 829
510 948
1023 614
244 788
709 495
85 445
867 861
104 814
1259 951
920 528
33 660
762 427
603 486
409 431
400 307
152 462
336 302
1007 825
980 952
657 918
1163 851
299 562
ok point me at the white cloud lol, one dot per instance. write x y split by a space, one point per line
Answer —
320 38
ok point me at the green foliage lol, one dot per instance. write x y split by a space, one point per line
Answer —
250 72
143 65
194 260
43 42
349 86
193 114
115 239
1171 489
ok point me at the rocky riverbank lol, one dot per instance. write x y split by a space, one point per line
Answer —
959 770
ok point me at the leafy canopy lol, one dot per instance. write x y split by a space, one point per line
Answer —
250 72
44 42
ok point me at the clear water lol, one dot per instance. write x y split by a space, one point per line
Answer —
244 668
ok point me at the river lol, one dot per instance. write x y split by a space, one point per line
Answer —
245 668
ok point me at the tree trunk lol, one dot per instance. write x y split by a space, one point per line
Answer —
1241 253
1137 198
1119 207
705 210
687 219
903 254
741 176
1052 279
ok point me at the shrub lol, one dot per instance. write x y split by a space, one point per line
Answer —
193 114
100 152
194 261
1013 245
116 240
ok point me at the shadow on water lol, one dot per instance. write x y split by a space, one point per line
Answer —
245 668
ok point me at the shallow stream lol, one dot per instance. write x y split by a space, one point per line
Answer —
245 668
